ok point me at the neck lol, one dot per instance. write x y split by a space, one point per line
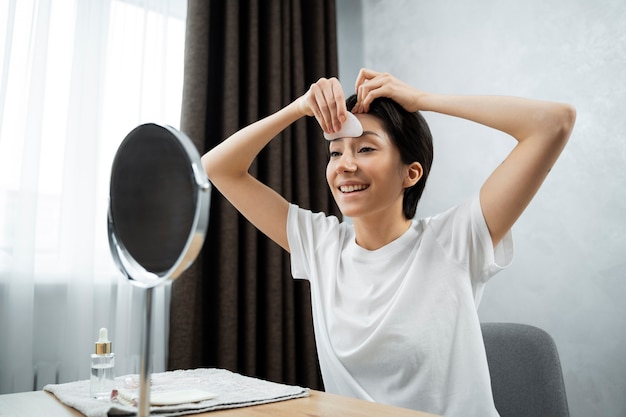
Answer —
374 232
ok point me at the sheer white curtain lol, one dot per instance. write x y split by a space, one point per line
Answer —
75 77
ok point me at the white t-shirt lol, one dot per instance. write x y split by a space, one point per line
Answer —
399 325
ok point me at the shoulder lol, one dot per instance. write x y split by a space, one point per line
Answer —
462 233
460 230
315 241
303 224
465 215
298 217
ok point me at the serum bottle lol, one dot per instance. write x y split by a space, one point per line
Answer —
102 368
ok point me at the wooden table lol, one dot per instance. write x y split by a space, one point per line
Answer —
318 404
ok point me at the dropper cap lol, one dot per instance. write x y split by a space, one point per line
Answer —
103 345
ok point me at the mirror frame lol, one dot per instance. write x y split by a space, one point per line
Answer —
125 262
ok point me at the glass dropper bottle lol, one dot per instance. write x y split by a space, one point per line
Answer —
102 367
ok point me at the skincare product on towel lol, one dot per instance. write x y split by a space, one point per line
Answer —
102 368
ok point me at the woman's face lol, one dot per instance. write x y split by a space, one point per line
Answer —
366 174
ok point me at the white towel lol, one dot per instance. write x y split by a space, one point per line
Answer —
228 389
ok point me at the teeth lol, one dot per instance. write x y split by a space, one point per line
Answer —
352 188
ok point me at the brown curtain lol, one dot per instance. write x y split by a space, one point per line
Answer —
238 307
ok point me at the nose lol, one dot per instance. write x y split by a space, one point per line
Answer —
347 163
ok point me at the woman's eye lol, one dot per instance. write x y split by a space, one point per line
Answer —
366 149
335 154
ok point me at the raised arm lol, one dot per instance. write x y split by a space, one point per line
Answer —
228 163
541 129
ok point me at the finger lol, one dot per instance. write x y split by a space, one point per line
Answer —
364 74
339 104
321 107
331 101
369 91
367 81
330 107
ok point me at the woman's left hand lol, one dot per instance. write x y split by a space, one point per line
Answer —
371 85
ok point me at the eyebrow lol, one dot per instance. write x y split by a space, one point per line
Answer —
365 133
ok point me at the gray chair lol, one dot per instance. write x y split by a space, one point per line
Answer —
526 375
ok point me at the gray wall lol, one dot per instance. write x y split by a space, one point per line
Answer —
569 273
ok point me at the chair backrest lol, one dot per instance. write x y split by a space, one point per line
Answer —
526 375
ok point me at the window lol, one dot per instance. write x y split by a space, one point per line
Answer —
75 78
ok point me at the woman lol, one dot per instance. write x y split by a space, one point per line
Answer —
395 299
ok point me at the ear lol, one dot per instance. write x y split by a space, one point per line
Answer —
413 175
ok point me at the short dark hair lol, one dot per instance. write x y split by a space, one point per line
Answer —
411 134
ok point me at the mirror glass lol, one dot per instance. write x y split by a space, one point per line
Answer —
158 204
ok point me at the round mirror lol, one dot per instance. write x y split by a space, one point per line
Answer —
158 205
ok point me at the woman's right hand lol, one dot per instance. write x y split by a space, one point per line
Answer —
326 102
371 85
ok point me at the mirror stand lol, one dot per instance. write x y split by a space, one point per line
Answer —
145 369
157 219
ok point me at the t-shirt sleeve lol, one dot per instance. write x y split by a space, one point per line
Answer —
307 234
296 244
462 232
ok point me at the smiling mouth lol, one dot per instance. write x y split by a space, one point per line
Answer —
352 188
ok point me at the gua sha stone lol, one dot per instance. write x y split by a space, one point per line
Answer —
351 128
